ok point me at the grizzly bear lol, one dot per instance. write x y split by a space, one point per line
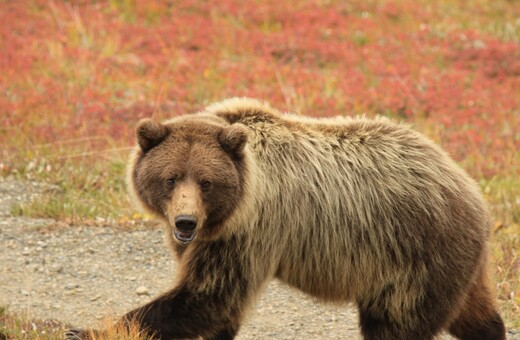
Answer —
345 209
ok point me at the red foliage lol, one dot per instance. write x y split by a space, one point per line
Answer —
76 69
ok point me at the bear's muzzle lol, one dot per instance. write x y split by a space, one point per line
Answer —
185 228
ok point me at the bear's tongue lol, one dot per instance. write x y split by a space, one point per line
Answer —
184 236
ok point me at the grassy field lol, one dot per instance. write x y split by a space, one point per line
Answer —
76 76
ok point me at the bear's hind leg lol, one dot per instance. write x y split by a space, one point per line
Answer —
381 319
381 328
478 318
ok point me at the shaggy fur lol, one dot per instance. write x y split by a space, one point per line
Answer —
344 209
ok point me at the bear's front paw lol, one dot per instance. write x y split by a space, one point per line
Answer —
80 334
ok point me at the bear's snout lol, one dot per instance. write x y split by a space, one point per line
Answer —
185 228
186 222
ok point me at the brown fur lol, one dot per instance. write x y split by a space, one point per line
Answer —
345 209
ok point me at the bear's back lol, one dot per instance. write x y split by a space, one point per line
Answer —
360 196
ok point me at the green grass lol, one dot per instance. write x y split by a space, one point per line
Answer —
13 326
506 260
503 195
80 190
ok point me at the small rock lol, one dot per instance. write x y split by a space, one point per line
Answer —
70 286
142 290
41 244
56 268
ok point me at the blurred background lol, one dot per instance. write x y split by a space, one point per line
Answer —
76 76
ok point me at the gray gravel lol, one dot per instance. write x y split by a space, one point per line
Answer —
80 275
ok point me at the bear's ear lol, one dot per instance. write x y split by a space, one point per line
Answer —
233 139
150 133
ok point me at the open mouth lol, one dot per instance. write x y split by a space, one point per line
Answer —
184 237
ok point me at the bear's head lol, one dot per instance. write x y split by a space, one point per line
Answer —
189 172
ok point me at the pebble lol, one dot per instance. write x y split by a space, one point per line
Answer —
142 290
56 268
70 286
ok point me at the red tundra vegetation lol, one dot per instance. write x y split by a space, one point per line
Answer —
83 69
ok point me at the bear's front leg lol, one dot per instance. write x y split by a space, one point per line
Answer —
179 314
184 314
216 283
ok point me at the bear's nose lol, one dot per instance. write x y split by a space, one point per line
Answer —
185 222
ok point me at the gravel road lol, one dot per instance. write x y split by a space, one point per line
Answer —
80 275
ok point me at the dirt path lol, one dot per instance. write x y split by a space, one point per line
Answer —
79 275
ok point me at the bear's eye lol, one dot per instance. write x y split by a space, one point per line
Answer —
205 185
170 182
